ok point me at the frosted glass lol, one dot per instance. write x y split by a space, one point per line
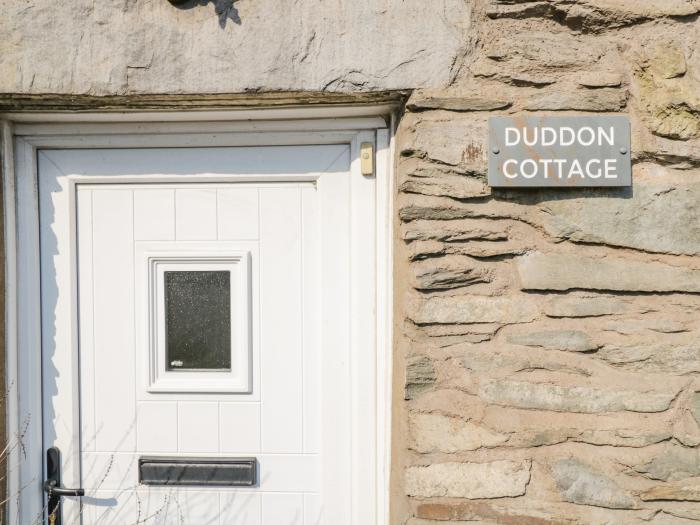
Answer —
198 320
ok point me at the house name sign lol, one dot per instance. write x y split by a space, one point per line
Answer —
566 152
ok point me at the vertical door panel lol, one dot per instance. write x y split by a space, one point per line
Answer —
113 320
281 317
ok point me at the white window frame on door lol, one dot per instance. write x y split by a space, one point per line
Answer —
23 134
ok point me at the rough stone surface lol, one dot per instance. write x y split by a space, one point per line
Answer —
567 340
473 309
455 102
675 464
309 45
642 221
420 376
687 490
490 512
495 479
587 364
544 396
438 433
584 307
579 483
599 79
539 271
444 278
580 100
695 406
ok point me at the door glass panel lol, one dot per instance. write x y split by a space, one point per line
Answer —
198 320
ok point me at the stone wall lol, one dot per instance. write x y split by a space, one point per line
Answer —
550 339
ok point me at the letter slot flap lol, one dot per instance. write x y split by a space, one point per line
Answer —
234 472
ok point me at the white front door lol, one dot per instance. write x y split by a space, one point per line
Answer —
204 315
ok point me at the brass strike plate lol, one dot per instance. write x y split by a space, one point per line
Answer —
367 158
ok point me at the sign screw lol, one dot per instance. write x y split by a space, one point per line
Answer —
623 151
495 150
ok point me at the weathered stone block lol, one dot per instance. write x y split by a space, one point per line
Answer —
474 309
458 141
593 15
604 99
496 479
623 437
455 186
449 235
599 79
483 512
675 463
654 358
583 399
648 8
420 376
585 306
545 50
686 490
657 217
437 433
539 271
566 340
695 406
668 97
579 483
432 277
455 101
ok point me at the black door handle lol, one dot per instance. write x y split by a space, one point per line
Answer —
51 489
52 486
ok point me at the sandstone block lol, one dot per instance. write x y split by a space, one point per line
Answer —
622 437
454 235
437 433
654 358
431 249
594 15
483 512
687 490
674 464
579 483
566 340
648 8
412 212
599 79
584 306
420 376
430 277
655 218
459 141
420 521
474 309
496 479
668 97
695 407
544 50
451 101
455 186
604 99
525 79
539 271
582 399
